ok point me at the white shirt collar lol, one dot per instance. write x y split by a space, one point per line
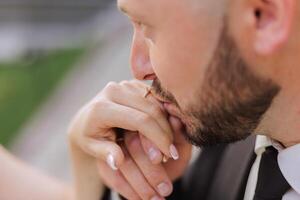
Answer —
288 159
289 164
261 143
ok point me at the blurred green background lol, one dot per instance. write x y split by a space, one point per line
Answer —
40 42
55 56
25 83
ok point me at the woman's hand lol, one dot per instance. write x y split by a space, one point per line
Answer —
92 134
120 106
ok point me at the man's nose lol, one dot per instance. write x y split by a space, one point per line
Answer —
140 61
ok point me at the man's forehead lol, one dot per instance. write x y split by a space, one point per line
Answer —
130 7
141 7
148 7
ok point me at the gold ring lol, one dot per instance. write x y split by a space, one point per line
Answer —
148 91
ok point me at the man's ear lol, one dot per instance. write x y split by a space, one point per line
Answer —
273 21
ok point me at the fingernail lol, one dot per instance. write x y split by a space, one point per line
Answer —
111 162
164 189
153 153
174 152
156 198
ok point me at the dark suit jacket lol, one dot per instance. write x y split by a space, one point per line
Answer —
219 173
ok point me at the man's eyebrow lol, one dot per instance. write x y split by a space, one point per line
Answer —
126 11
123 9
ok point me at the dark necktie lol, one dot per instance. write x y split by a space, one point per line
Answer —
271 185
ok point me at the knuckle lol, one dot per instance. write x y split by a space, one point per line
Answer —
137 83
111 84
100 104
130 84
111 87
125 83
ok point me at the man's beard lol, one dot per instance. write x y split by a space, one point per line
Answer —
231 101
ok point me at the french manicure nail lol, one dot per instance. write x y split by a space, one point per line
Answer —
163 189
111 162
174 152
153 153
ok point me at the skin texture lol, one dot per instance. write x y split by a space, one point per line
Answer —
19 180
229 107
221 69
188 42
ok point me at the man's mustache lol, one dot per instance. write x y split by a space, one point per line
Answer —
161 92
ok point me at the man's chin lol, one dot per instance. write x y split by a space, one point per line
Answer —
202 137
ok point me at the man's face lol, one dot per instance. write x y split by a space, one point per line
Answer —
197 70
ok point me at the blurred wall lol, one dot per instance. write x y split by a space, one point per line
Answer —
31 25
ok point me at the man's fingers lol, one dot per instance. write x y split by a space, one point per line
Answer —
154 174
116 181
183 147
137 180
109 114
178 129
151 150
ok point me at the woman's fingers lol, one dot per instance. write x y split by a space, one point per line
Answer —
117 106
105 115
131 94
116 181
153 173
135 100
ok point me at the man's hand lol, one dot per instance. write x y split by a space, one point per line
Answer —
138 177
